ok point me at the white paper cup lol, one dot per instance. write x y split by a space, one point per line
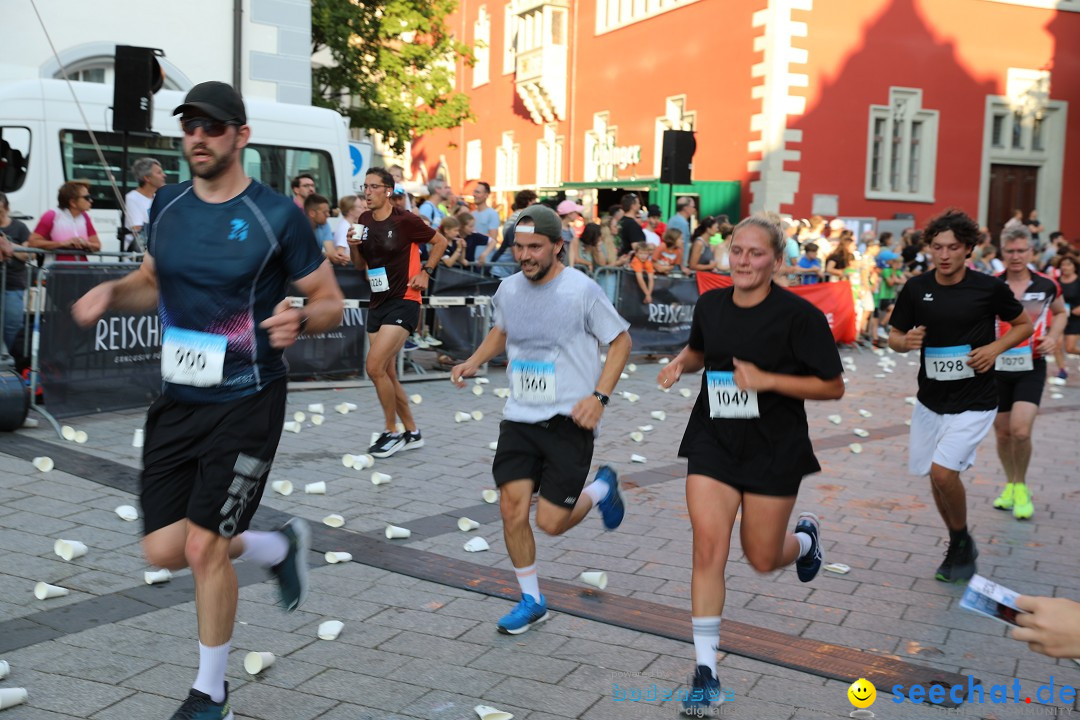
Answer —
658 415
481 381
477 390
374 438
486 712
866 413
378 478
477 544
156 577
68 433
299 416
1056 396
138 439
859 432
81 437
502 393
317 419
645 428
490 496
351 406
835 419
416 398
127 512
316 408
462 417
315 488
910 399
493 445
622 376
347 460
358 231
632 368
685 392
595 578
394 532
338 557
638 458
44 591
282 487
664 361
342 408
4 669
466 524
362 461
10 697
476 415
69 549
330 629
43 463
333 520
855 448
637 436
291 426
256 662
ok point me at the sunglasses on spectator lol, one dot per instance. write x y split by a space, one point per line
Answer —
86 197
210 127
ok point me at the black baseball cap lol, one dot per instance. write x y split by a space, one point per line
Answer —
217 99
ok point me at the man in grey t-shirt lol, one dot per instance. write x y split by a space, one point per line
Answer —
550 320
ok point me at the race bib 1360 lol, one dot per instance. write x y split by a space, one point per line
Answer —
533 382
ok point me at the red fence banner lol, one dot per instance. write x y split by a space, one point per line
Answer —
833 299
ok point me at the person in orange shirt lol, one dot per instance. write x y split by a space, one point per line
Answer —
642 266
669 254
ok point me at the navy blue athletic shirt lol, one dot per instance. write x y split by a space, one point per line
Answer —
222 269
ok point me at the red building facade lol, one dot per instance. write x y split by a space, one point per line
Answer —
873 109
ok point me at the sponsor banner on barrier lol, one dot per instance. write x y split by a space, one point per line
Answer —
459 328
662 325
339 351
833 299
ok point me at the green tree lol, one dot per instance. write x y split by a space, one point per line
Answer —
393 65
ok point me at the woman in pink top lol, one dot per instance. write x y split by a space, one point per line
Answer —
70 225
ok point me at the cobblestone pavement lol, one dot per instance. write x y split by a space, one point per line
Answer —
116 648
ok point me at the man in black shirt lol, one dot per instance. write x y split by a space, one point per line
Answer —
949 316
630 231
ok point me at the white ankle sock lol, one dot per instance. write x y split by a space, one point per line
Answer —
211 678
265 549
597 490
805 543
529 582
706 640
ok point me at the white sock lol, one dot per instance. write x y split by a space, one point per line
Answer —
211 678
597 490
529 582
805 543
265 549
706 640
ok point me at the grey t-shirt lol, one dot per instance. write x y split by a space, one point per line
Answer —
486 220
553 337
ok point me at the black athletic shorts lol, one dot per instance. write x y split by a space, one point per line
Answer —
555 454
883 307
403 313
208 463
1016 387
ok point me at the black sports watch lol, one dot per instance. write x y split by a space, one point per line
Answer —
601 397
429 271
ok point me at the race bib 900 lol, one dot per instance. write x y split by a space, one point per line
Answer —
1017 359
533 382
377 279
189 357
948 363
726 400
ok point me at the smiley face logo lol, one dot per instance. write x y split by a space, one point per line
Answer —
862 693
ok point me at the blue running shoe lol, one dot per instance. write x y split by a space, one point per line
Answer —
611 507
704 693
528 612
199 706
808 565
291 573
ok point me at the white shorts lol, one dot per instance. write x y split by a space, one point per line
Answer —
946 440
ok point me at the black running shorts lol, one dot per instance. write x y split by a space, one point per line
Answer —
403 313
208 463
555 454
1014 387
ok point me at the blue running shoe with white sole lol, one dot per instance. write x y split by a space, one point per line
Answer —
199 706
527 613
809 564
611 507
291 573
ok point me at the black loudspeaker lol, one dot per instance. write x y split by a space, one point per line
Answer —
14 401
138 76
677 157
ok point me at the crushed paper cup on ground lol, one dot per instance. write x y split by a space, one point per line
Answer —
342 408
10 697
624 376
330 629
838 568
337 557
282 487
466 524
81 437
4 669
595 578
637 436
315 488
476 415
69 549
866 413
127 512
317 419
68 433
486 712
490 495
861 433
416 398
348 459
44 591
1057 381
477 544
316 408
664 360
685 392
156 577
291 426
631 397
835 419
1056 396
658 415
299 416
393 532
855 448
256 662
494 445
879 375
43 463
631 368
378 478
645 428
502 393
638 458
477 390
462 417
139 439
333 520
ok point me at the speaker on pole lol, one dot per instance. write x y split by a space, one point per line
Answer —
138 76
677 157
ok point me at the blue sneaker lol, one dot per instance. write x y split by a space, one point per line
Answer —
611 507
808 565
704 693
528 612
291 573
199 706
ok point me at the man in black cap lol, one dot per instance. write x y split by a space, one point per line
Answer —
222 251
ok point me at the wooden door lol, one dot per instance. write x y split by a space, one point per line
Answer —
1012 187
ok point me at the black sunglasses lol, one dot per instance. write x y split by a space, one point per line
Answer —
210 127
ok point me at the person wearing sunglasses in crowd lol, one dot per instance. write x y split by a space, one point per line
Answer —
223 250
69 226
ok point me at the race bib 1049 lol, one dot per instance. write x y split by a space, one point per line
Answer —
1017 359
726 400
533 382
189 357
377 279
948 363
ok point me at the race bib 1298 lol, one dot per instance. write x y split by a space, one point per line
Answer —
189 357
948 363
533 382
726 400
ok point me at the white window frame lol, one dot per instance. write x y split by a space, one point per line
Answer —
510 39
615 14
549 157
481 74
506 161
900 118
474 160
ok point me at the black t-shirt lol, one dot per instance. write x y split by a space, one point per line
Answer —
783 334
394 244
472 242
15 269
630 232
960 314
1031 225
